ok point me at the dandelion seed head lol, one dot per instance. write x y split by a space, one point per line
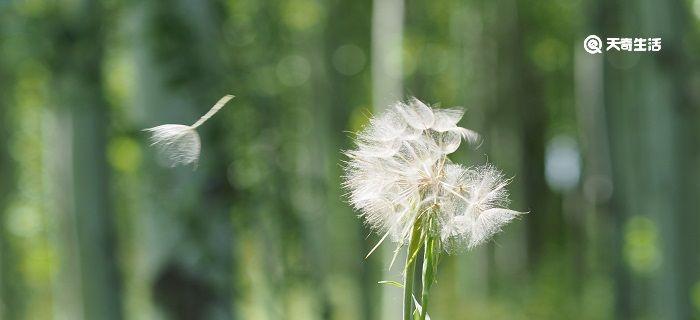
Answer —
400 172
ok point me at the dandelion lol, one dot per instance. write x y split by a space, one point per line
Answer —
406 188
180 144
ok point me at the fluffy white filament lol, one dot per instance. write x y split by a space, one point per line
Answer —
180 144
400 171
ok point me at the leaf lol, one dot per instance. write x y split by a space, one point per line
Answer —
390 282
419 310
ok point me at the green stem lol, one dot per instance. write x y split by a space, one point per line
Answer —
428 273
410 271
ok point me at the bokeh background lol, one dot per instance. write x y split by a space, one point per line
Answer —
604 151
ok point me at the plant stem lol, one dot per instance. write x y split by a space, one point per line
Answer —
428 273
410 271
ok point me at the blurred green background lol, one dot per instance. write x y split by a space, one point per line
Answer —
604 150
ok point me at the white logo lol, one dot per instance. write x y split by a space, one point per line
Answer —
593 44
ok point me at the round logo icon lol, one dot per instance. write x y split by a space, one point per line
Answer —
593 44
